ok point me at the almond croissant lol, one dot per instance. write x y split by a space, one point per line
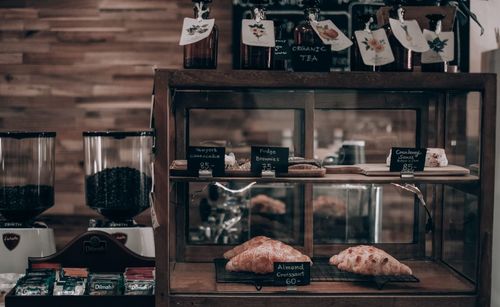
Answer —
261 259
254 242
369 260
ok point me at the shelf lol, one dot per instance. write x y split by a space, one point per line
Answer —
435 279
337 178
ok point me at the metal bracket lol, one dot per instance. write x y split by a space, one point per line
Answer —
206 173
268 174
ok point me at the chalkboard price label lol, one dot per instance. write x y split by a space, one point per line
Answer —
206 159
407 160
269 159
292 273
311 58
282 50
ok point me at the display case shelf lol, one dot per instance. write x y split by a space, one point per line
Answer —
336 178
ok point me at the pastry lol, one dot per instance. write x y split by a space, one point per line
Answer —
303 166
329 206
301 161
435 157
261 259
368 260
254 242
265 204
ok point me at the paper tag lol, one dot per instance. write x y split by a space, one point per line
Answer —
259 34
407 160
374 47
409 35
331 35
194 30
442 47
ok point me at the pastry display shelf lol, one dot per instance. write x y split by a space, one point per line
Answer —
435 279
337 178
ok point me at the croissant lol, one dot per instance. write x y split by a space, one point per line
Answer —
369 260
254 242
261 259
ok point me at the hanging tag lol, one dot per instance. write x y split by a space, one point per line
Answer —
194 30
409 34
442 47
330 34
258 33
374 47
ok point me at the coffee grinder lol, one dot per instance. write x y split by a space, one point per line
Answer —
27 167
118 183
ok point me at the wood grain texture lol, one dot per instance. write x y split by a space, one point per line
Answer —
70 66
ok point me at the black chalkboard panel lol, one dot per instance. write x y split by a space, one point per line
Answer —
205 158
269 159
407 160
311 58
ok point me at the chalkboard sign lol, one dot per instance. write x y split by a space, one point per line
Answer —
292 273
205 159
407 160
269 159
282 50
311 58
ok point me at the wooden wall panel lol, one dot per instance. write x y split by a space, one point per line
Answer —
71 66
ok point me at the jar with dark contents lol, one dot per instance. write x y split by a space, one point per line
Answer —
257 57
403 57
357 63
435 26
202 54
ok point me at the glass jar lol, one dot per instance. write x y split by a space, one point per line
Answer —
403 57
202 54
118 177
357 63
256 57
27 167
435 26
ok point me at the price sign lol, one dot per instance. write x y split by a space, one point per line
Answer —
292 273
407 160
205 159
269 159
311 58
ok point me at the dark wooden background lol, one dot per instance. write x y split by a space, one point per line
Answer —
70 66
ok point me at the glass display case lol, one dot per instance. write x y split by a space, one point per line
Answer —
437 223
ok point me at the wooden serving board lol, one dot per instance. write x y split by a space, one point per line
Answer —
179 168
383 170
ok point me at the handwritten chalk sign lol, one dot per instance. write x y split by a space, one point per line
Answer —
201 158
281 50
269 159
292 273
407 160
311 58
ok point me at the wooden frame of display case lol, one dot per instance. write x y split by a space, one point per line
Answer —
193 284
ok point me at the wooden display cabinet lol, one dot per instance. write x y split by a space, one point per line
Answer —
300 110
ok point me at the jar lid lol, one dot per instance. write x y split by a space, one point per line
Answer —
26 134
118 134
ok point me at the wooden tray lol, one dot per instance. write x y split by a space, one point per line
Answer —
383 170
179 168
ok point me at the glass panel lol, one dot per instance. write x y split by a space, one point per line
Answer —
372 132
237 130
358 213
463 126
460 230
218 216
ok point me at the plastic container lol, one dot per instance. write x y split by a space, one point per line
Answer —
27 165
118 172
